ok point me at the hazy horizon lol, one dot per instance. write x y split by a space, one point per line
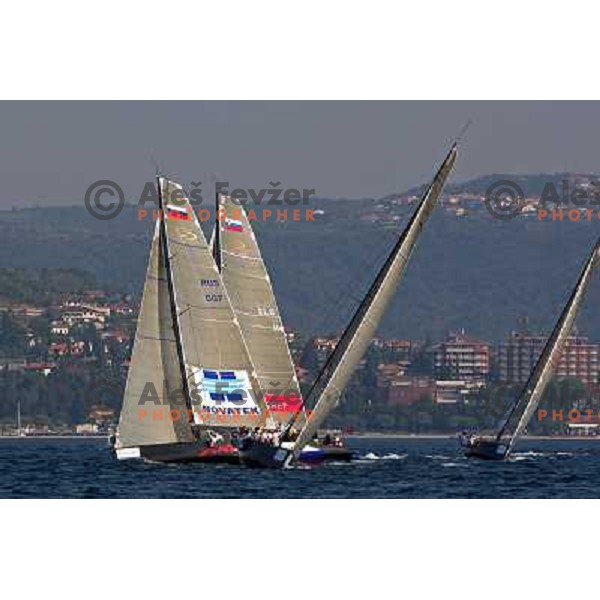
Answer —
50 152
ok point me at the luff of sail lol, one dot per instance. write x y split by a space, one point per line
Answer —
251 294
221 385
350 349
535 386
154 379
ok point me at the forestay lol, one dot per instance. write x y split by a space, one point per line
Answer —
350 349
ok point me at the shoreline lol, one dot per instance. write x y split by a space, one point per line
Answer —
453 436
54 437
365 435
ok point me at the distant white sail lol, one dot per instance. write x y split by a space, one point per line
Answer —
535 386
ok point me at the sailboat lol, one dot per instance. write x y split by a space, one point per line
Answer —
333 378
500 446
191 385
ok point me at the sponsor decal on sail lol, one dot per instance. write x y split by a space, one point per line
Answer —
225 392
233 225
177 212
283 403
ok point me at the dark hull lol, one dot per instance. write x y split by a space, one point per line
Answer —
255 455
271 457
191 453
486 450
326 454
266 456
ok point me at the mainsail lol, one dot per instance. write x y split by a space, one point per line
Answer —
154 381
350 349
220 383
253 301
534 388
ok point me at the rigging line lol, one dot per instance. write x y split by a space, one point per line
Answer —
150 156
456 141
368 265
349 336
461 134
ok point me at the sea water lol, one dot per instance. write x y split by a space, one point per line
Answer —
384 468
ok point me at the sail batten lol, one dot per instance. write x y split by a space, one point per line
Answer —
334 376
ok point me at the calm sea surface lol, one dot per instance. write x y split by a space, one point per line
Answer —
385 468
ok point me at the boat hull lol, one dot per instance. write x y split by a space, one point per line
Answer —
183 453
486 450
256 454
320 454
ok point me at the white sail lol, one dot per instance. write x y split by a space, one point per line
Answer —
350 349
532 394
251 293
154 381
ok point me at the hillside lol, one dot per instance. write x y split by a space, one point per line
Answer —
472 272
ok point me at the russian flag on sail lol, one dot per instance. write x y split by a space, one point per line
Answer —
233 225
178 212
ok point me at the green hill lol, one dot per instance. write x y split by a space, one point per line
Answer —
472 272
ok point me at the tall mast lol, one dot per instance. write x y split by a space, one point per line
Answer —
19 417
534 388
217 239
338 369
167 258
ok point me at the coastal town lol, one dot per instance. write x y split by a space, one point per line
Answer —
544 198
67 364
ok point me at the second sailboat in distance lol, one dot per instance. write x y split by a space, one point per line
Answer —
499 447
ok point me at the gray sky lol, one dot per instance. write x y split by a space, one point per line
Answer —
52 151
